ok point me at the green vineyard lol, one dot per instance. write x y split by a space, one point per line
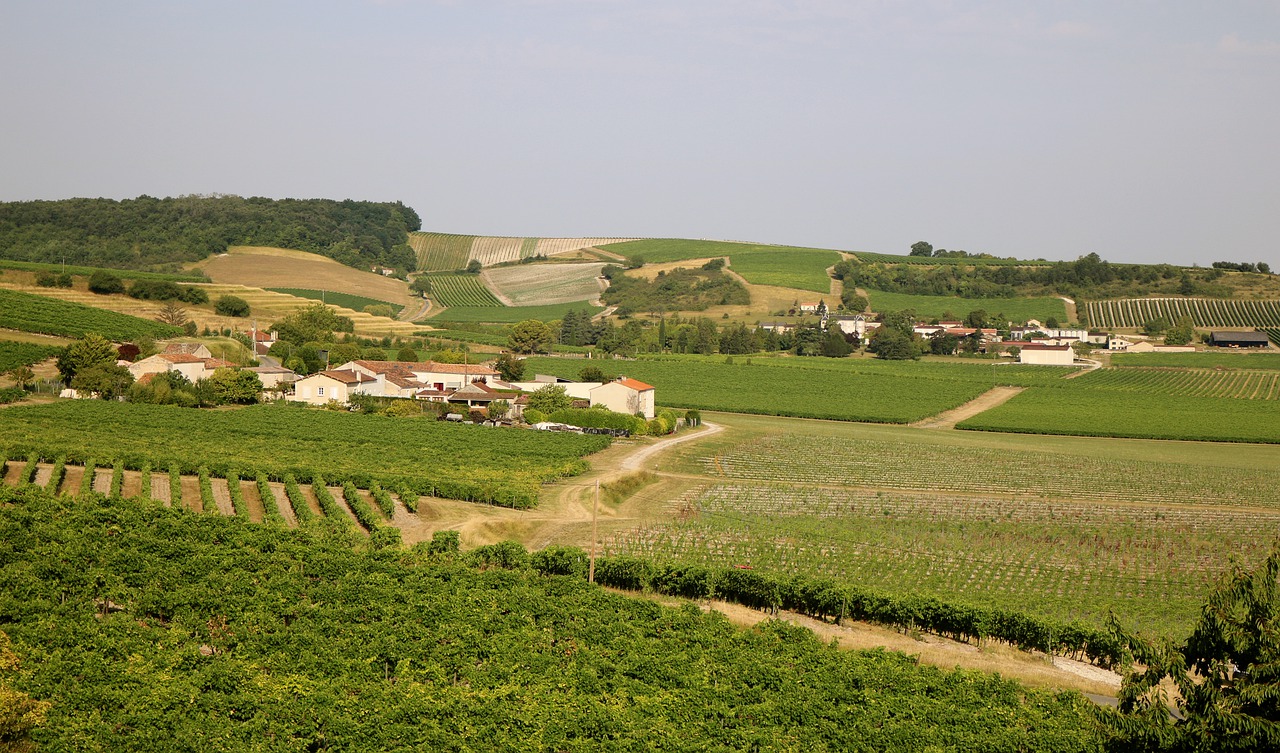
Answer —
461 290
50 316
1236 383
1204 312
441 252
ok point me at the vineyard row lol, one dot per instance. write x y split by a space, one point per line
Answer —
1204 312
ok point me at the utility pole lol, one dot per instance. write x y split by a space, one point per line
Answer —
595 506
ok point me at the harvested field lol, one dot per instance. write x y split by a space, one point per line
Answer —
447 252
545 284
261 267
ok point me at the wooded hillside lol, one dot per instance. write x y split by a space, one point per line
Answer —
147 232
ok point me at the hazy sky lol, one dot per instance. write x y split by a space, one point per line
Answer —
1144 131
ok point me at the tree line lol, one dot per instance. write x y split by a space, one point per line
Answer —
153 233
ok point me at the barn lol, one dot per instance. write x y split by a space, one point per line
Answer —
1239 339
1046 355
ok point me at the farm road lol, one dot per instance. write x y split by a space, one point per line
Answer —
984 402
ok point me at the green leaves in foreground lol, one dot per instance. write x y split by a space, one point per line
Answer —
151 628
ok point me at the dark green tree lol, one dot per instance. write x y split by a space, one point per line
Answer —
89 351
1227 674
103 282
510 368
474 266
592 374
530 336
106 380
231 305
549 399
921 248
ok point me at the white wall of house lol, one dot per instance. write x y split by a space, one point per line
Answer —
1047 356
620 398
319 389
575 390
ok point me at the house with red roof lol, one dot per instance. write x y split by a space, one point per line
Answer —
332 385
625 395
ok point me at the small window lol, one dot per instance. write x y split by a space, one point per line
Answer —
319 391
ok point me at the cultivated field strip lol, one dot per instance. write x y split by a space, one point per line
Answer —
209 496
445 252
461 290
897 466
1204 312
1067 559
1234 383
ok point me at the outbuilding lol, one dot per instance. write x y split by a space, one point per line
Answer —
1239 339
1046 355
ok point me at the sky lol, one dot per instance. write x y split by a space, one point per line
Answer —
1142 131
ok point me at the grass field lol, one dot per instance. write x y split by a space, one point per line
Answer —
802 269
1065 527
461 290
464 462
28 312
346 300
930 306
545 284
840 389
1213 359
506 314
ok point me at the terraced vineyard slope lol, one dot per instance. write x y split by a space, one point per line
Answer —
461 290
28 312
1204 312
446 252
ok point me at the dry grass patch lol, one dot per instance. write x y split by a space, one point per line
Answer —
263 267
545 284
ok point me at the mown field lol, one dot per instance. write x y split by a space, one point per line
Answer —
1062 527
28 312
841 389
329 646
506 314
931 306
460 462
1204 312
545 284
346 300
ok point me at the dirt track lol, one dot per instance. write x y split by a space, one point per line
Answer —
984 402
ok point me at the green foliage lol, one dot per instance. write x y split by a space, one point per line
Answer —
231 305
474 267
86 480
599 418
530 336
234 387
549 399
461 290
314 323
436 458
11 394
238 502
509 367
445 543
334 298
163 290
92 351
103 282
15 354
441 252
27 312
360 507
1217 360
117 479
677 290
301 510
534 416
148 231
1226 675
60 269
270 510
383 499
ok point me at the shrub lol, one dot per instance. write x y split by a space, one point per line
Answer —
103 282
231 305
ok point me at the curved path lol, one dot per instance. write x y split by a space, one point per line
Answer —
984 402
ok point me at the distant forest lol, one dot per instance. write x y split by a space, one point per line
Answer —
159 234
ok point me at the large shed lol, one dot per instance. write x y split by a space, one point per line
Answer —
1239 339
1046 355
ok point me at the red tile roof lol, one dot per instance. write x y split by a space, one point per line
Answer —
634 384
180 358
384 367
347 377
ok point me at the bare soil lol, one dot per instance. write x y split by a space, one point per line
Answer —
191 494
222 496
282 503
249 490
102 480
160 488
